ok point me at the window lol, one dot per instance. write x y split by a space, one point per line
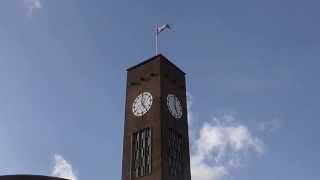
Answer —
177 153
141 146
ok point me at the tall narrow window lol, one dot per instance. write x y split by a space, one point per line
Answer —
176 153
141 151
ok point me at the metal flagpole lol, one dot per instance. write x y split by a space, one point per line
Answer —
157 39
158 31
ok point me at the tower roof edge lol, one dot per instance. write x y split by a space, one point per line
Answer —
162 57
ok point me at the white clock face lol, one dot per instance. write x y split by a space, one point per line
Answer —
174 106
142 104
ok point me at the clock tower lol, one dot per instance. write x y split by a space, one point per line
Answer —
156 141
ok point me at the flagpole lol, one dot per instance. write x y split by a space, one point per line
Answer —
159 29
157 39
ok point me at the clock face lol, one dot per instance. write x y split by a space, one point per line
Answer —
142 103
174 106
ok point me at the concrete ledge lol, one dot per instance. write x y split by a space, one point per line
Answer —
28 177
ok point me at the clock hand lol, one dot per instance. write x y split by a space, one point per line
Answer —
178 108
175 105
142 102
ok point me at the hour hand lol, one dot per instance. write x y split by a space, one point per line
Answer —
175 107
142 103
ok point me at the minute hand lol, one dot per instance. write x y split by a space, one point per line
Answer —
175 106
142 102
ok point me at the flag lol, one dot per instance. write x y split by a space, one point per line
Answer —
162 28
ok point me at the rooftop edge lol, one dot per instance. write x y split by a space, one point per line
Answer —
153 58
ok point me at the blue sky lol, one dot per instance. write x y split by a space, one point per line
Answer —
252 72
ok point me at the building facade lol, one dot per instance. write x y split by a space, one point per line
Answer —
156 140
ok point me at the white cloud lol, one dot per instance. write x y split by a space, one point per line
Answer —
220 147
189 105
32 6
63 168
201 171
270 126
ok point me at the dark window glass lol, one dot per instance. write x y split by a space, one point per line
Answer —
141 146
177 148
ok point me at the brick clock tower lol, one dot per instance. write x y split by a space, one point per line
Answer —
156 141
